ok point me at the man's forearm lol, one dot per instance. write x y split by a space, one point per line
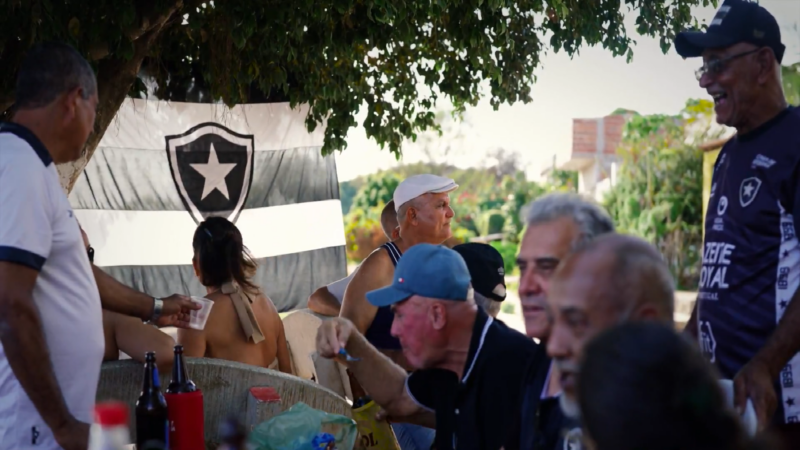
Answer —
384 380
26 349
119 298
785 340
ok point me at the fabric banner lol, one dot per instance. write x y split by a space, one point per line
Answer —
163 167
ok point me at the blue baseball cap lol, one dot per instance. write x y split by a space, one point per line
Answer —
427 270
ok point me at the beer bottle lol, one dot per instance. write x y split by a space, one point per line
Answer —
180 382
185 405
152 426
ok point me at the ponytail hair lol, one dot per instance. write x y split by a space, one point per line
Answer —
221 255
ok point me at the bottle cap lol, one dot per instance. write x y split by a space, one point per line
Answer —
111 413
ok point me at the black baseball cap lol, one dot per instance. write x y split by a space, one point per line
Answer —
485 265
736 21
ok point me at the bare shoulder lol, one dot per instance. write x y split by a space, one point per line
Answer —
268 302
377 264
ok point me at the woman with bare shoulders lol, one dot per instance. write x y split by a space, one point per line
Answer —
243 325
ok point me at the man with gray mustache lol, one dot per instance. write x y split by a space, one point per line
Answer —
556 224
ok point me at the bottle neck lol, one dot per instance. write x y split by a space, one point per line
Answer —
179 369
151 381
180 382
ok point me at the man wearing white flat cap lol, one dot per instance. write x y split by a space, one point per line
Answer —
424 215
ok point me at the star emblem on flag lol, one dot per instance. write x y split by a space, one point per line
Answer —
214 172
212 168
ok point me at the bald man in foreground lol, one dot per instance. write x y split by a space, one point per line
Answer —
612 279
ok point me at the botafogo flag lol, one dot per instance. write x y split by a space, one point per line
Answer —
163 167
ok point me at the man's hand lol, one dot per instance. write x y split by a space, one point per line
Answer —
754 381
333 335
175 312
74 435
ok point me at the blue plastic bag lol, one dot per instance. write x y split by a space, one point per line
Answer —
302 427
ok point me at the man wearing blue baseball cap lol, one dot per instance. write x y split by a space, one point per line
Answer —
470 369
422 204
747 317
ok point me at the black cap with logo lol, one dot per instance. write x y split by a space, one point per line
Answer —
736 21
485 265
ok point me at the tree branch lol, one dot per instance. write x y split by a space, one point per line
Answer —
113 87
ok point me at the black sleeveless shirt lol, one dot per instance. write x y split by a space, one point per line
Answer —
379 333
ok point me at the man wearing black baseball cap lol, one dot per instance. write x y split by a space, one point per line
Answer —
747 316
486 269
736 21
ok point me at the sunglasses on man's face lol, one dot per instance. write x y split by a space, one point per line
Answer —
90 252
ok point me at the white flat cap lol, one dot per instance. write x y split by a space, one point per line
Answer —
413 187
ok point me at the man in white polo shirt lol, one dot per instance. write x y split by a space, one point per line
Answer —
51 327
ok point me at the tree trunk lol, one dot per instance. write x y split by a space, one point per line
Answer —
114 80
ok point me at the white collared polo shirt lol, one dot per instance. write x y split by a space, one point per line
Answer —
38 230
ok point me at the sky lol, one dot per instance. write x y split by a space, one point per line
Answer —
591 84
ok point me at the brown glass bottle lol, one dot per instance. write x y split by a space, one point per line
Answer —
180 382
152 424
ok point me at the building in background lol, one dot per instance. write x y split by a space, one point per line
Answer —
594 153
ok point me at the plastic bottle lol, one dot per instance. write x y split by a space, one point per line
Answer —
110 428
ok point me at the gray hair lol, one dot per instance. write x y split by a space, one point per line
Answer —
591 218
49 70
403 209
492 307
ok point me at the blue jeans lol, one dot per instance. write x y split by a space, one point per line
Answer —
413 437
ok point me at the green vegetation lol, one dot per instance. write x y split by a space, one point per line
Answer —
508 250
658 191
489 200
394 58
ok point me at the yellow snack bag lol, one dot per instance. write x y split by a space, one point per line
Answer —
373 434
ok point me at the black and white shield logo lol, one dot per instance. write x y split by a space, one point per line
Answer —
212 168
748 191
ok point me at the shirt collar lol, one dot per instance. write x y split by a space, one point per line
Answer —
482 323
547 382
761 129
28 136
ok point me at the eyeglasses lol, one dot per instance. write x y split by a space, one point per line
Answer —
716 66
90 252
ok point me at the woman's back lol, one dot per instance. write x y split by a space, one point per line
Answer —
243 324
226 339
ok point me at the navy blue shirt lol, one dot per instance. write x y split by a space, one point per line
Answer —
751 257
482 411
379 332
